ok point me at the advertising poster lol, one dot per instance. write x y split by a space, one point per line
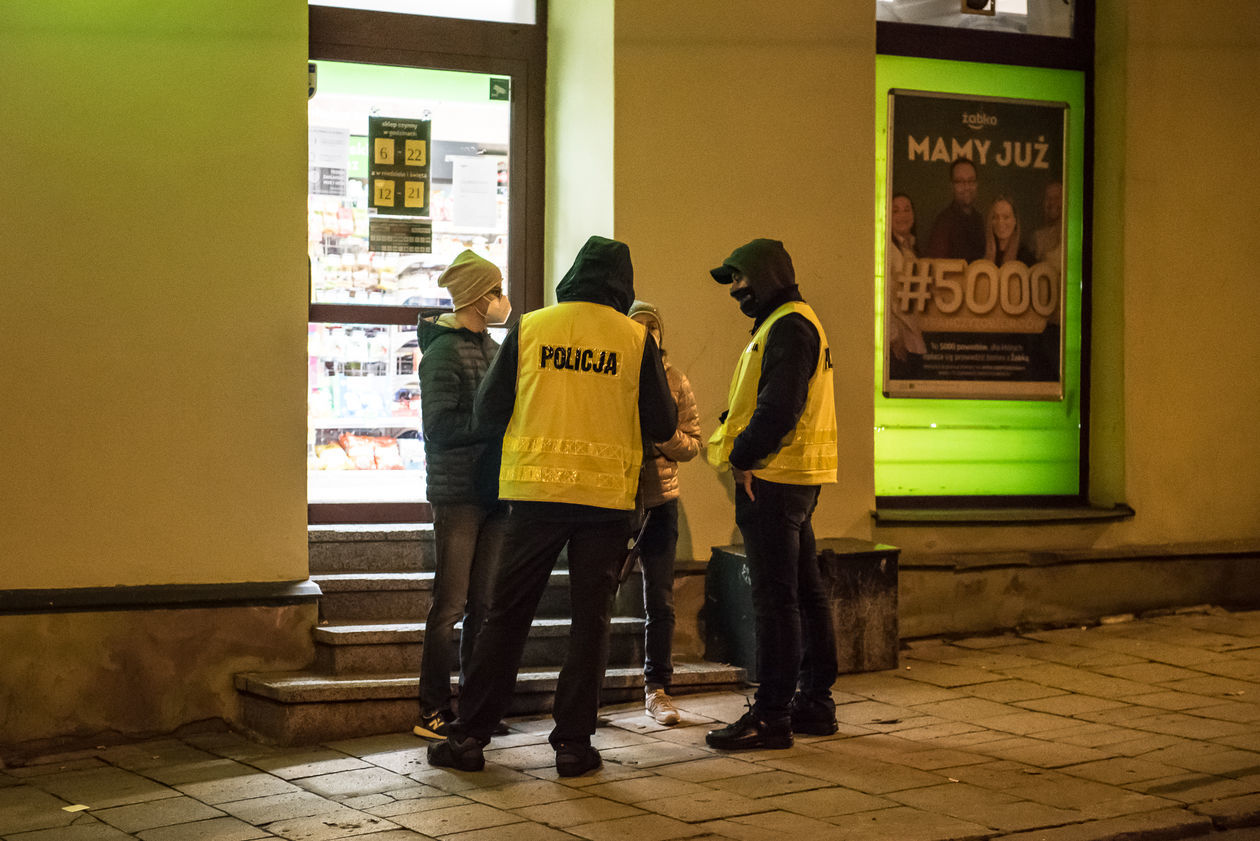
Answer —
975 231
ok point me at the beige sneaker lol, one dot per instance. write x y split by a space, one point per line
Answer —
660 707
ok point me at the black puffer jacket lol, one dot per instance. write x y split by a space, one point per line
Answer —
454 361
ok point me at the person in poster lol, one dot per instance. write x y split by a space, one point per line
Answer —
973 310
905 339
1001 234
1045 240
959 228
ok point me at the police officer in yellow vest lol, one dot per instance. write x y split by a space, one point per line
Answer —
778 437
573 393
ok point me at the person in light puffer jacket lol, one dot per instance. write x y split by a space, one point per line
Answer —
658 482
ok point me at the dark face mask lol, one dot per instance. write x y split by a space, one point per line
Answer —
747 301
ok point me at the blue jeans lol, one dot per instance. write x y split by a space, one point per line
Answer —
660 542
796 641
469 541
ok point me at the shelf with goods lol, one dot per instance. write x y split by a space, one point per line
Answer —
344 271
364 436
363 398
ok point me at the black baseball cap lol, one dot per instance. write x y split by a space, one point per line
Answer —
761 258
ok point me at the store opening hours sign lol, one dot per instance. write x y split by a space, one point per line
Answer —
974 292
398 172
398 185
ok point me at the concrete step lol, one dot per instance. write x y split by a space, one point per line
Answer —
406 547
350 649
406 596
374 595
298 708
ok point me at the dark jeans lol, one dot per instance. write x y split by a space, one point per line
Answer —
660 541
795 638
596 550
469 541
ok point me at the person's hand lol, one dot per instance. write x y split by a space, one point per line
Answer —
897 347
744 477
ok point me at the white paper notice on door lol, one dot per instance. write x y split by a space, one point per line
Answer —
329 160
473 190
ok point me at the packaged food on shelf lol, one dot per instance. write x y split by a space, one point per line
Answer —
370 452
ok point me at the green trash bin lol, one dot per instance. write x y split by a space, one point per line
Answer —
860 579
730 634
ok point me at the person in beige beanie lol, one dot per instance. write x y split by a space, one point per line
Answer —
462 475
471 278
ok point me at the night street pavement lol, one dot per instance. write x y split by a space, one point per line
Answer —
1138 730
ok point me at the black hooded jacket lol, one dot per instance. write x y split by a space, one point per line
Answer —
601 274
788 363
790 355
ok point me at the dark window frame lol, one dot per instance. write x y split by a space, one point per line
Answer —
516 50
988 47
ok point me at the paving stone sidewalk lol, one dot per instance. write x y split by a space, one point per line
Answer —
1139 730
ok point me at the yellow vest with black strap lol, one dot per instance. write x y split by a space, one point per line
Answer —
574 433
807 455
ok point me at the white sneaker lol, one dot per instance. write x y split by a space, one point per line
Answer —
660 707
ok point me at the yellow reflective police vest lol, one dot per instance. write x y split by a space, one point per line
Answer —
574 433
807 456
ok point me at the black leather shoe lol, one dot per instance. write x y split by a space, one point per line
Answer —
574 760
461 754
752 732
813 717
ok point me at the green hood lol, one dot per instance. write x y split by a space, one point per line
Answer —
601 274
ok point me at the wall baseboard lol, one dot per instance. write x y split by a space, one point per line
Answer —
159 597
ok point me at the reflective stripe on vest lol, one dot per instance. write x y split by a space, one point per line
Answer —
808 455
574 433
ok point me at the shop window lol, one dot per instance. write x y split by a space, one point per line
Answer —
503 11
1053 18
413 158
966 417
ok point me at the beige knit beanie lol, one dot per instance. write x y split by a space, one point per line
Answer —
469 277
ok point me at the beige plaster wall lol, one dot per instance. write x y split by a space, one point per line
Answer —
1183 165
152 163
74 675
579 131
736 120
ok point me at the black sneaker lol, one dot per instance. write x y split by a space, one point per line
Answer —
574 760
812 716
752 732
433 725
462 754
502 729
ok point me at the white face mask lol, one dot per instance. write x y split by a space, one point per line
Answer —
499 310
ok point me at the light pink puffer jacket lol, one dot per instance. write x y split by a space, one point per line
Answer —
660 474
659 477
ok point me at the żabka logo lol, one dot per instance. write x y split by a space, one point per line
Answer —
978 120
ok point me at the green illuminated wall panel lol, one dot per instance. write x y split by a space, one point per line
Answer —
341 77
927 447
